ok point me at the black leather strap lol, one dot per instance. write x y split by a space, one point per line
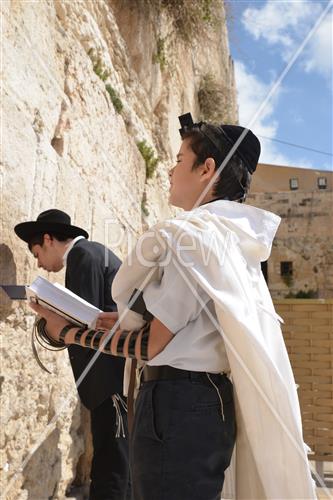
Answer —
132 343
107 347
64 331
88 337
78 335
97 338
144 342
139 305
121 342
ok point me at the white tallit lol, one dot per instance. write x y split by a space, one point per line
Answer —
271 461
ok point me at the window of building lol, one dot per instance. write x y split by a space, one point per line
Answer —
286 268
293 183
322 182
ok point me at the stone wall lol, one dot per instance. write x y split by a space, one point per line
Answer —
308 334
304 238
65 64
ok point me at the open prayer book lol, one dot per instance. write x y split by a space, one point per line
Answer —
59 299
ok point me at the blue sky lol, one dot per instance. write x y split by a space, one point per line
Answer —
263 37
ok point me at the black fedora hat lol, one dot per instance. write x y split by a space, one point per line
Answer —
53 221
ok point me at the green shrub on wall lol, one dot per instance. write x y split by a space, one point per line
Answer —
144 208
116 101
147 154
189 16
214 100
302 294
99 68
103 73
160 56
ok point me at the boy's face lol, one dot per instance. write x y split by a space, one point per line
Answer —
48 255
186 185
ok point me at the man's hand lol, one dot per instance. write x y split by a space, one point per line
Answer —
106 320
54 322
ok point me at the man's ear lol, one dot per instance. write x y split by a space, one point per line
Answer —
47 240
208 169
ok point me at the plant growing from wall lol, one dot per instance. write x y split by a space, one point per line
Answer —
103 73
147 154
115 99
214 100
160 56
189 16
99 68
302 294
144 208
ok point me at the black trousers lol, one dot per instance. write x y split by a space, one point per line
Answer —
183 437
110 465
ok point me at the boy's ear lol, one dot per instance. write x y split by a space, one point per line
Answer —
208 167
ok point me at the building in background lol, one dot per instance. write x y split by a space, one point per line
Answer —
301 262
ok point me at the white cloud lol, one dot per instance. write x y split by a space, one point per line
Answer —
284 25
319 52
251 93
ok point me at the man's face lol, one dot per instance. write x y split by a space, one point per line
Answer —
48 255
186 185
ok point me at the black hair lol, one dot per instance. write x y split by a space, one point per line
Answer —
38 239
234 181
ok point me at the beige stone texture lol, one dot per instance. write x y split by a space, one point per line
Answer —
305 233
276 178
310 348
65 146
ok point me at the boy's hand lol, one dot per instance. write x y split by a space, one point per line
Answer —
106 320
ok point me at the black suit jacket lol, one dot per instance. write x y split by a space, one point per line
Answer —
90 270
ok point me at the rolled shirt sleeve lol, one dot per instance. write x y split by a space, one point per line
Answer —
173 300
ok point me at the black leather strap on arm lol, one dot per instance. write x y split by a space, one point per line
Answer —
139 305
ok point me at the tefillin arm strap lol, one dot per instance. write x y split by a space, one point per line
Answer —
126 344
41 337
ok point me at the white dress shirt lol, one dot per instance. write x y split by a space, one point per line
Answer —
69 248
182 307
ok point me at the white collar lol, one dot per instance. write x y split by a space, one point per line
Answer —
69 248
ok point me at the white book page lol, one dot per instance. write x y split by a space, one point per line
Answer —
61 300
79 299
